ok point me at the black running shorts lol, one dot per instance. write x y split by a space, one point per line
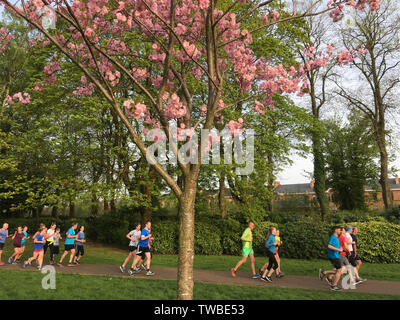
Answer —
132 248
69 247
336 263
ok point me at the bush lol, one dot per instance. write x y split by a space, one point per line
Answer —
393 214
166 237
378 242
230 232
306 239
207 239
345 216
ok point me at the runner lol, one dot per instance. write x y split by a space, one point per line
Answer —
17 237
278 260
270 244
69 245
333 255
80 240
38 250
3 236
143 248
134 236
55 249
354 258
24 231
49 238
344 254
247 251
357 258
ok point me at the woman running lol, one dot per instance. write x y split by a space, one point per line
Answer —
280 274
17 237
3 236
38 250
270 244
134 236
80 240
23 242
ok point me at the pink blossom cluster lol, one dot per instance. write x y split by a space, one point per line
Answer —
140 74
22 98
5 39
337 12
174 107
86 90
235 127
136 111
213 138
50 69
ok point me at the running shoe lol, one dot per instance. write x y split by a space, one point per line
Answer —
122 269
137 269
359 280
10 260
1 263
14 262
39 267
321 274
131 273
268 279
281 275
150 273
233 273
260 271
329 281
263 278
59 264
25 265
255 276
143 267
335 288
71 265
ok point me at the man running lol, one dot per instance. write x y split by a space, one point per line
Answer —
247 251
333 255
144 249
69 245
355 260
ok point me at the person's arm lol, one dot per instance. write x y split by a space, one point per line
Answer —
129 236
14 235
144 238
269 242
333 248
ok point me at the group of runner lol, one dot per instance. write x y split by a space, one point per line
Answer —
342 253
45 238
139 250
272 243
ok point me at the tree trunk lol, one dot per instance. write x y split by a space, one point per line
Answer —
222 199
113 206
54 211
319 176
37 215
186 241
94 208
384 180
71 210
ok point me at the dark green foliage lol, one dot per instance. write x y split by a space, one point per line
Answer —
393 214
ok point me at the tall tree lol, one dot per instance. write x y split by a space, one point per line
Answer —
379 70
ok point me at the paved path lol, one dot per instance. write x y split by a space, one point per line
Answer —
225 277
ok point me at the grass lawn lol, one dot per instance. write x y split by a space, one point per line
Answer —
18 285
101 254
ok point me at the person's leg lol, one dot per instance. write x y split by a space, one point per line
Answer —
252 261
274 267
81 253
278 261
1 251
243 260
130 255
63 256
148 260
71 257
34 257
270 263
40 259
338 275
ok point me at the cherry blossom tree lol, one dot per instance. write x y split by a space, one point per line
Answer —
177 72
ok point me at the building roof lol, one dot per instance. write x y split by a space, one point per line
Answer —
392 185
294 188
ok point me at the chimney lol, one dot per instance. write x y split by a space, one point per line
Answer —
312 184
276 184
396 178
